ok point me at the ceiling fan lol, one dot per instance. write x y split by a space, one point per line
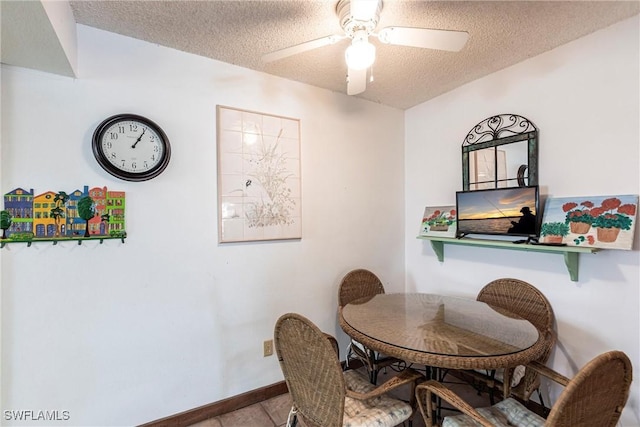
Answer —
358 19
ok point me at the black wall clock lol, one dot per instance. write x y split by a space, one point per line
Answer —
131 147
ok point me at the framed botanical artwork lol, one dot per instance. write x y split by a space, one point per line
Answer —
259 188
597 221
439 221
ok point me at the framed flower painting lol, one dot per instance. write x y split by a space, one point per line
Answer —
439 221
597 222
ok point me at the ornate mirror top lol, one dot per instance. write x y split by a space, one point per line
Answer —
497 127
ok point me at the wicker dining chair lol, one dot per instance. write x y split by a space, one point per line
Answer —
324 395
523 299
594 397
358 284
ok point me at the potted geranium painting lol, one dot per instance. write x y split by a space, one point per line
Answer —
439 221
597 221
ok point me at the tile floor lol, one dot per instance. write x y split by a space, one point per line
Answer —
274 412
270 413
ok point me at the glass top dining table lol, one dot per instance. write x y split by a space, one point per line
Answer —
441 331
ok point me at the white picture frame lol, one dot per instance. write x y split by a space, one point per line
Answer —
259 179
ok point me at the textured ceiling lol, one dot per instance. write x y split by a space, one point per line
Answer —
501 33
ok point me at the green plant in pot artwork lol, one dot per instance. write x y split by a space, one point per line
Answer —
439 221
579 216
553 232
600 221
612 217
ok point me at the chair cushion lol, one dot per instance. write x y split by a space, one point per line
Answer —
360 352
507 413
381 411
518 373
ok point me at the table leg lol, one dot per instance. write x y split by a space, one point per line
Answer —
506 383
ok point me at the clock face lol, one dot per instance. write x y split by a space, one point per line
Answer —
131 147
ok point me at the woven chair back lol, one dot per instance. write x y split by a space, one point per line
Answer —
596 395
521 298
311 370
525 300
357 284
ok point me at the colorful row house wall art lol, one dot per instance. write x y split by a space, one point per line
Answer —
90 212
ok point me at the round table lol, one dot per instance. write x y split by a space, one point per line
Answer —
442 331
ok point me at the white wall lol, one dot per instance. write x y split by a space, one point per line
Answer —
584 98
122 334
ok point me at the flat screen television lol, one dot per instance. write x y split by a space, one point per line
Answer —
500 211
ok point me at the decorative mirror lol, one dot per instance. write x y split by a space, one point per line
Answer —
499 152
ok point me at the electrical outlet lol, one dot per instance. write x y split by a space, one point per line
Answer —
267 348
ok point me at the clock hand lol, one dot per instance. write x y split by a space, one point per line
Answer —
139 138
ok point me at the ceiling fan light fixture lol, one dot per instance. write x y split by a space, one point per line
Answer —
361 54
359 20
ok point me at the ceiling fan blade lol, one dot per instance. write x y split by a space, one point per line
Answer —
356 81
424 37
302 47
364 10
